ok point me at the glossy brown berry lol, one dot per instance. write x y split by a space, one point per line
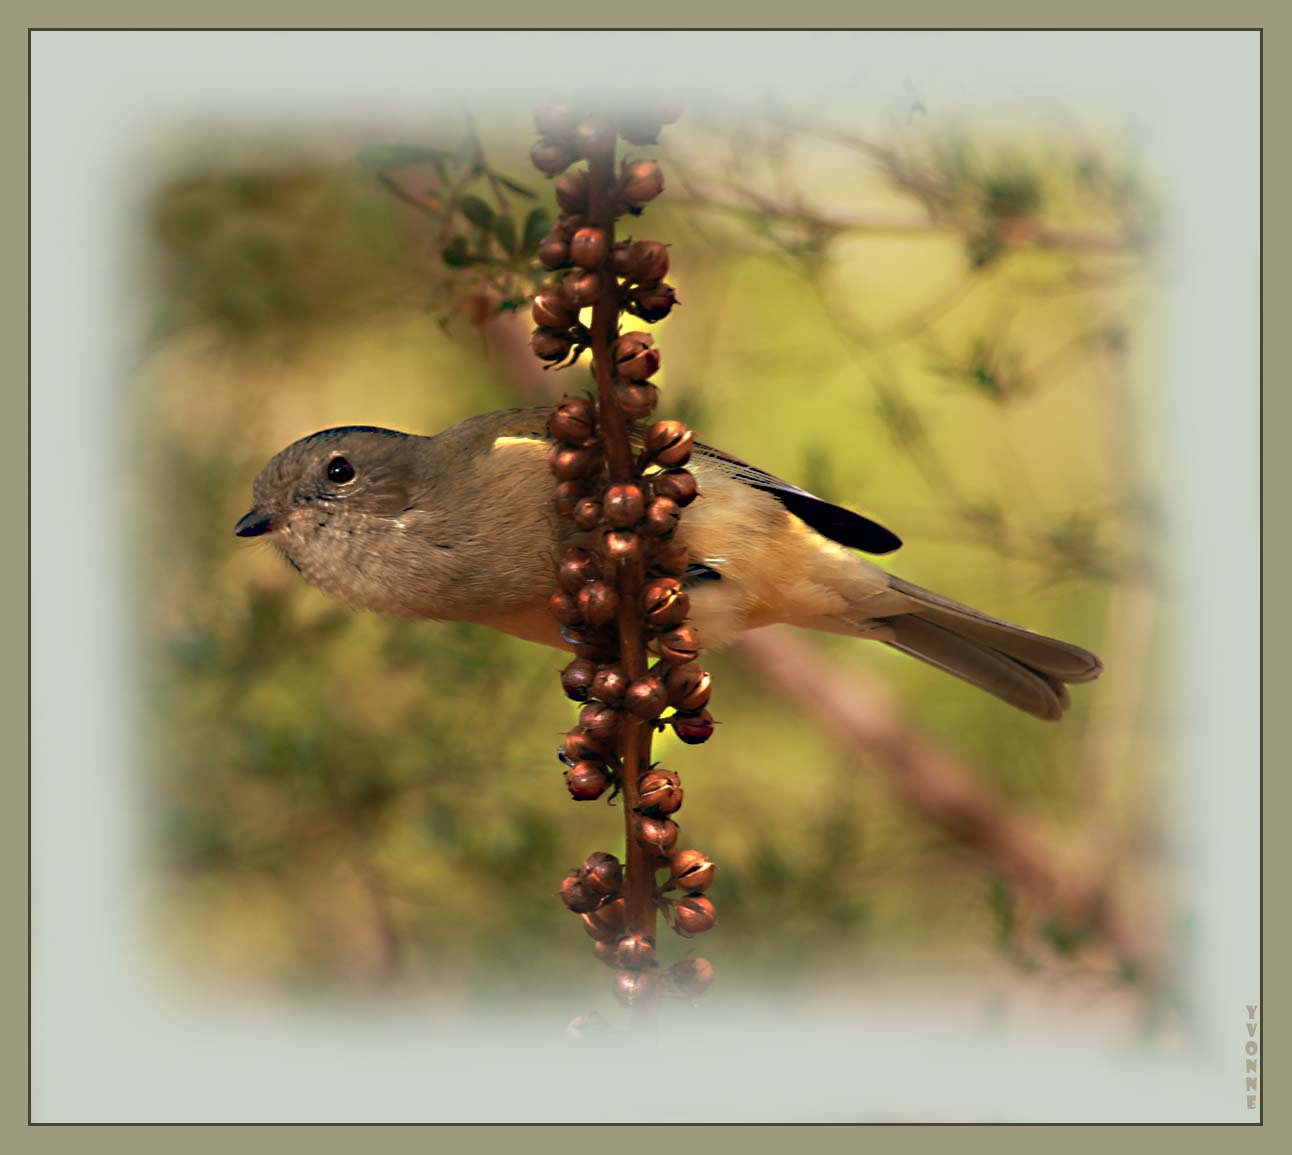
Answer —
646 698
587 781
550 156
572 191
669 557
679 645
551 310
676 484
602 722
580 746
688 687
569 463
567 496
642 182
598 603
669 443
588 248
623 545
607 921
587 513
693 915
636 951
654 302
659 793
577 679
573 420
578 566
624 504
554 251
637 401
691 977
658 833
693 728
551 344
634 987
692 871
602 874
564 608
635 356
576 898
556 119
583 289
647 261
662 516
594 136
664 603
609 684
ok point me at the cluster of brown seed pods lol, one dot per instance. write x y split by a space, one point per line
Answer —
621 601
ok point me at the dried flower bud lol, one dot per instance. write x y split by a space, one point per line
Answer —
564 608
692 871
635 357
693 728
572 191
642 182
580 746
623 546
654 302
587 513
577 679
632 988
659 793
569 463
573 420
648 261
609 685
577 568
662 516
677 484
679 645
669 443
688 687
606 922
551 344
670 557
636 952
576 898
556 120
600 721
637 401
588 248
550 156
664 603
624 504
646 698
587 781
554 251
692 915
659 833
598 602
583 289
567 497
593 137
691 976
602 874
551 310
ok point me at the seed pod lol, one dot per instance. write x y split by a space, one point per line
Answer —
569 463
640 127
551 310
648 261
587 513
583 289
624 504
659 833
637 401
552 157
607 951
664 603
567 497
572 191
607 921
577 679
588 248
646 698
623 546
600 721
692 915
677 484
556 120
620 261
564 608
669 443
693 728
679 645
578 566
593 137
642 182
692 871
575 897
554 251
635 357
688 687
669 557
662 516
636 952
609 685
659 793
598 602
551 344
573 420
587 781
632 988
602 874
691 976
580 746
654 302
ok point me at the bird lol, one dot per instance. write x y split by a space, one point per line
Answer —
460 526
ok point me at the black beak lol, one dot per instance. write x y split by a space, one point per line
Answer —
253 525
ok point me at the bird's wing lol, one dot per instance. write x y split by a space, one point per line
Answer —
832 521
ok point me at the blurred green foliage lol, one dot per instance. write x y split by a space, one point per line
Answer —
343 800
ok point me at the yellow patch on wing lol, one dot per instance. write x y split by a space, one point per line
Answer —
498 442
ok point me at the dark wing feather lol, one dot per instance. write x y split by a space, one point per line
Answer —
832 521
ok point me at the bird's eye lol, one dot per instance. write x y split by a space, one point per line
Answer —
339 470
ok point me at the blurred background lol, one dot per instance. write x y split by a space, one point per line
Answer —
939 324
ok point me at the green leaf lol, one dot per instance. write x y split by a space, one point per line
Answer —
519 189
537 225
394 155
504 228
455 253
476 211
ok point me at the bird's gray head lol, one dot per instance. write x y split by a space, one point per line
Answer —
338 504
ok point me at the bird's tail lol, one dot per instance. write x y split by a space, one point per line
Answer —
1027 670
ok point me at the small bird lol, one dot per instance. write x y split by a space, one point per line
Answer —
461 527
